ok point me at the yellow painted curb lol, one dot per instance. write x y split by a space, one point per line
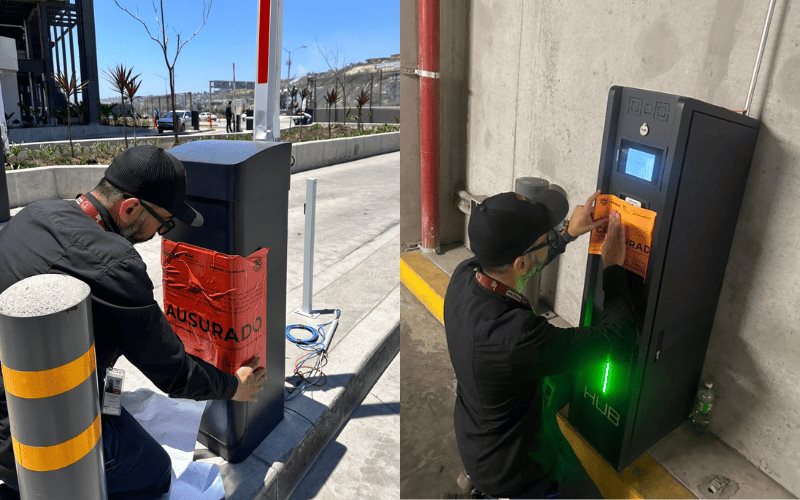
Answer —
425 280
644 478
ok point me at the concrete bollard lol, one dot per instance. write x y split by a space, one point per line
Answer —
49 372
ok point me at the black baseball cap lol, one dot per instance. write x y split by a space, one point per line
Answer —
506 224
155 176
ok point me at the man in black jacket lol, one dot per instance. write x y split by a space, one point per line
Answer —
501 349
91 238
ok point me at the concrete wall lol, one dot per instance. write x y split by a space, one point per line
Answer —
538 80
409 117
33 184
382 114
316 154
454 71
60 133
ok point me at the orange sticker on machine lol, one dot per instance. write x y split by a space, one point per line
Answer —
638 222
216 303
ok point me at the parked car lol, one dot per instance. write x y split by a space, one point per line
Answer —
205 114
184 120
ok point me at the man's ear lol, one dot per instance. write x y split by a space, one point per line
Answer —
520 264
127 210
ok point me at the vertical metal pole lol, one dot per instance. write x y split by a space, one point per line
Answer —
760 55
266 117
380 89
428 72
308 250
233 104
273 85
51 387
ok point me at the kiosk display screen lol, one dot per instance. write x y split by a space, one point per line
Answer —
640 161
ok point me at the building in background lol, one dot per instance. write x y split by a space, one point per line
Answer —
39 39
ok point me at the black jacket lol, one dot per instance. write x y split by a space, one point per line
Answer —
501 350
55 236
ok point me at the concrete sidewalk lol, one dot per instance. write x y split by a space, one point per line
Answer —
348 468
356 270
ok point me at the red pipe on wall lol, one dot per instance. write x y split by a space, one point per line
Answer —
428 71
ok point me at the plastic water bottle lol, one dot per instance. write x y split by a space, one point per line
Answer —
701 413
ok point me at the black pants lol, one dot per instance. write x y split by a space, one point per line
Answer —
137 467
229 124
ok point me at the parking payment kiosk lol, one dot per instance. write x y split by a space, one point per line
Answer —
242 190
688 161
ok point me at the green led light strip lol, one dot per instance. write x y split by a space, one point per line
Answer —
605 379
587 311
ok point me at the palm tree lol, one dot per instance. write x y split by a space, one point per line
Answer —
70 87
331 98
361 100
119 76
130 90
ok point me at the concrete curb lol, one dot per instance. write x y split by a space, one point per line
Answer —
644 478
283 483
316 154
66 181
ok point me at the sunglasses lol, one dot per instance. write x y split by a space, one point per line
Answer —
166 226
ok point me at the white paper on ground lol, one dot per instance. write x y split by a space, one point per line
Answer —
174 423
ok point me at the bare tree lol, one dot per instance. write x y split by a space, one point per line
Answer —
336 65
163 41
119 77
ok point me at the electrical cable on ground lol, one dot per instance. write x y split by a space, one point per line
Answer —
308 366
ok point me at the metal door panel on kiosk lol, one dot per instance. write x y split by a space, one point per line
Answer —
242 190
688 161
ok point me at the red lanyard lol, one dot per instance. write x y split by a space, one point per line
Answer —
495 286
90 210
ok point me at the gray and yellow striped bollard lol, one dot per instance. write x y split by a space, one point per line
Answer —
49 373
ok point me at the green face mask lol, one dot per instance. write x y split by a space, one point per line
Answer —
523 280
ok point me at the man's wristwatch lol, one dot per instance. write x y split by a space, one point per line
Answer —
565 234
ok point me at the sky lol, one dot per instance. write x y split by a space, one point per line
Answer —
356 29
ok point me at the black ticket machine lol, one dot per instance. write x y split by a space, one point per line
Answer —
688 161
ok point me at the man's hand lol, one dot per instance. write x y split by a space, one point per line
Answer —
614 246
251 380
581 221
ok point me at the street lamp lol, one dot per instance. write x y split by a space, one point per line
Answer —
289 62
